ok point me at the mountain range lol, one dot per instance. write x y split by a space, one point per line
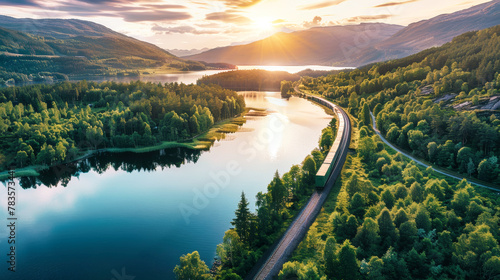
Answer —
319 45
74 46
70 38
356 45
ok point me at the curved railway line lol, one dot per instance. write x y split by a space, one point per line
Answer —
325 179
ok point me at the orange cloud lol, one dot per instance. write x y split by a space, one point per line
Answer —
322 5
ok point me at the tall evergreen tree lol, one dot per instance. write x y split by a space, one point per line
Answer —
330 258
387 229
348 264
278 193
242 220
309 170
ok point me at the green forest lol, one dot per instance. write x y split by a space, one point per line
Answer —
386 217
48 124
413 224
436 104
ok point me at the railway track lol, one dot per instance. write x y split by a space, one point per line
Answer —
299 227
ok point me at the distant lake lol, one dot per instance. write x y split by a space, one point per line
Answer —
291 69
193 76
181 77
116 211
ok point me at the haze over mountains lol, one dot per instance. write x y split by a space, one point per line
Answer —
180 53
356 45
319 45
433 32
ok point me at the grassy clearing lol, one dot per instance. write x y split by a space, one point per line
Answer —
164 145
23 172
354 131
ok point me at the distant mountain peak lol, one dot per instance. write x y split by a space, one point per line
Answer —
318 45
339 45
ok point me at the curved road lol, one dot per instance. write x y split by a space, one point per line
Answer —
374 125
299 227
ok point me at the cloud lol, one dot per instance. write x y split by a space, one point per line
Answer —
154 16
390 4
19 3
315 22
97 9
240 3
181 30
228 17
209 25
278 21
321 5
367 18
100 1
164 6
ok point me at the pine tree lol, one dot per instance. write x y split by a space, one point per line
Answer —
278 193
387 229
330 258
242 220
365 114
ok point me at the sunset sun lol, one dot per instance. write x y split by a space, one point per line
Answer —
263 24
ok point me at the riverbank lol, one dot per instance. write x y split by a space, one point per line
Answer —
201 142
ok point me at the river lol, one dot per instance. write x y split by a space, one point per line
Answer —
138 214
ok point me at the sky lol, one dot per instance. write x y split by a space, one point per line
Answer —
197 24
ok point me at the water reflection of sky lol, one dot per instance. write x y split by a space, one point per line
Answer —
116 219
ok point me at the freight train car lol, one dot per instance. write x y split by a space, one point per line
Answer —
331 158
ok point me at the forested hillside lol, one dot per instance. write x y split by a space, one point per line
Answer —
47 124
387 218
440 104
400 223
433 32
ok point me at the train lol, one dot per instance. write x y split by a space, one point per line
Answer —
328 164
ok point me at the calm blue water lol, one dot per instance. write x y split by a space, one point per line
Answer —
101 223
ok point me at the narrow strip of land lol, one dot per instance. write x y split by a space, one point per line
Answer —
374 125
299 227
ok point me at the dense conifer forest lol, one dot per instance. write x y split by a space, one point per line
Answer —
441 104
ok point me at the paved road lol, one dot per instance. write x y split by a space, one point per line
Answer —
299 227
374 125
